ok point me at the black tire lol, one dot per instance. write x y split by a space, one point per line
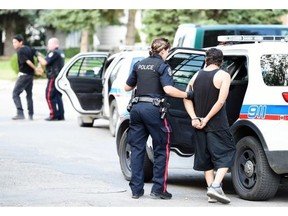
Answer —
125 160
113 112
84 124
252 177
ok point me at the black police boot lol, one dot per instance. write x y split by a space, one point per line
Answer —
136 196
163 195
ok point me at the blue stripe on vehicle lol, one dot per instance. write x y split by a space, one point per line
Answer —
269 109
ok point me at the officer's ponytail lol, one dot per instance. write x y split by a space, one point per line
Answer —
158 45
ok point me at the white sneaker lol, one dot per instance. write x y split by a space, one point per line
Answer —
211 200
218 194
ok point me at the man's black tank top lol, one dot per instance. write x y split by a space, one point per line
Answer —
205 96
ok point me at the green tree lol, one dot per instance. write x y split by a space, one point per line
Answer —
83 20
15 22
274 69
165 22
246 16
131 29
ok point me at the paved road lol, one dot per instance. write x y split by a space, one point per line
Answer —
58 164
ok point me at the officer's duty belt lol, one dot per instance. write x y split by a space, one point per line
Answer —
154 101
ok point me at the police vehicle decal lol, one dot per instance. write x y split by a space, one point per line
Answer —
119 91
264 112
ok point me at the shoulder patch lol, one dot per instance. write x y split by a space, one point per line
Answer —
169 71
50 54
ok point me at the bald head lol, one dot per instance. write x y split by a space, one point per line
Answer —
53 43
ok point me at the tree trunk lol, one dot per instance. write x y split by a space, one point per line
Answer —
84 41
131 29
9 34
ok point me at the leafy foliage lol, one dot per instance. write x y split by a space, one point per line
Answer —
156 22
274 69
22 16
79 20
246 16
164 23
14 63
70 52
71 20
18 20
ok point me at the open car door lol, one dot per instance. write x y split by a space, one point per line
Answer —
184 62
81 79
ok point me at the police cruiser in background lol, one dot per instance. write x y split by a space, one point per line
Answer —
94 83
257 109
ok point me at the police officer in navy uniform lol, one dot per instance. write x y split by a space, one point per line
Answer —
152 77
54 61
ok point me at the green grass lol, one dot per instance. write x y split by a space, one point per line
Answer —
6 71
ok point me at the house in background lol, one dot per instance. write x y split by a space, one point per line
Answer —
107 38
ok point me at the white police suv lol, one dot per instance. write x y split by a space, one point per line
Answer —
94 83
257 108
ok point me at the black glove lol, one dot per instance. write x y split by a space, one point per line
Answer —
190 94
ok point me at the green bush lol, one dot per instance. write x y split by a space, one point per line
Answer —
70 52
6 72
14 63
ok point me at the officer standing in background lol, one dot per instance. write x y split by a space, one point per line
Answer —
54 61
25 56
152 77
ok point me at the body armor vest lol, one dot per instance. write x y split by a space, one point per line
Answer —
148 78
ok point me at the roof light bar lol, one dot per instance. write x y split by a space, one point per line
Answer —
251 38
133 48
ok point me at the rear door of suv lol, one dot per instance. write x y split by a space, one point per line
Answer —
184 62
81 79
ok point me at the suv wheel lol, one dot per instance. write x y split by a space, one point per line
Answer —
252 177
113 117
125 160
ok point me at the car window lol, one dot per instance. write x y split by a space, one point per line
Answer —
275 69
115 71
236 66
108 62
264 31
119 65
87 67
210 36
184 66
134 60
